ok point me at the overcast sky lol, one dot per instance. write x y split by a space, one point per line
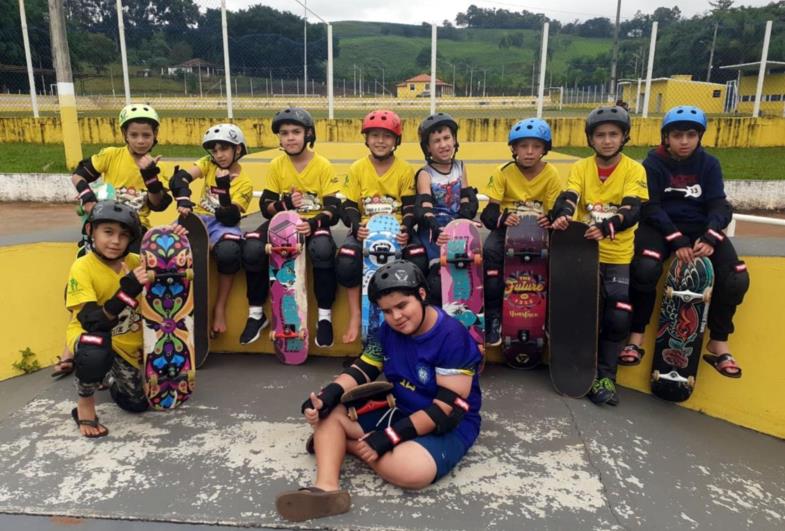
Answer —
417 11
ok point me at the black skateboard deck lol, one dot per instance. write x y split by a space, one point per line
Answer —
200 249
572 311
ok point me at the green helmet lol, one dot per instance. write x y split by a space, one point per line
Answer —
138 111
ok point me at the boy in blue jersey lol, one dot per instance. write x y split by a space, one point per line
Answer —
686 215
432 362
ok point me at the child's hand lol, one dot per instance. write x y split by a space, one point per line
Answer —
442 239
685 255
561 223
544 222
297 198
140 272
362 232
146 161
179 229
402 237
304 228
184 211
702 248
512 220
312 414
594 233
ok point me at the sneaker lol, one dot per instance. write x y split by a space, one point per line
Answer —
493 332
602 391
324 334
614 399
253 329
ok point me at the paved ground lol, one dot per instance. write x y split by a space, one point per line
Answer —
542 461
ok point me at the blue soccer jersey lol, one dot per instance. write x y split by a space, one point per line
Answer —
411 364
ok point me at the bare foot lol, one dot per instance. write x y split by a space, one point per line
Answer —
85 410
352 329
219 322
718 347
636 338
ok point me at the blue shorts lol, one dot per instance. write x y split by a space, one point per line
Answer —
215 229
446 450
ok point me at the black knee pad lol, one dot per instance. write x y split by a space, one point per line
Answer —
645 270
417 255
616 319
435 285
228 254
733 281
253 257
349 265
93 357
126 403
321 249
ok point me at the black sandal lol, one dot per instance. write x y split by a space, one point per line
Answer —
92 423
631 355
63 367
312 502
725 364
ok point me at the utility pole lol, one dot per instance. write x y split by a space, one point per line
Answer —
711 54
305 48
612 88
65 84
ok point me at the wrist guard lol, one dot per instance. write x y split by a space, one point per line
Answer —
179 184
490 216
85 193
385 440
350 215
468 210
330 397
564 205
713 237
130 288
319 221
420 210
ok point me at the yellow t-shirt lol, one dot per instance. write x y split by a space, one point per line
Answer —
318 179
600 200
117 166
240 188
91 280
516 193
379 194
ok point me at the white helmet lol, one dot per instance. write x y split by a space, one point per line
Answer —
229 133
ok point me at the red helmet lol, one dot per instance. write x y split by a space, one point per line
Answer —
381 119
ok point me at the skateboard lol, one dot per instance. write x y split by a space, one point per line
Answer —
574 270
102 191
461 275
677 346
168 358
379 248
368 397
200 250
525 293
285 246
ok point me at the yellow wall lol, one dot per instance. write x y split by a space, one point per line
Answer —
773 84
722 132
668 93
32 315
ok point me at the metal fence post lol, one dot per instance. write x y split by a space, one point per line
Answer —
28 59
225 31
330 90
123 54
762 70
433 68
649 68
543 58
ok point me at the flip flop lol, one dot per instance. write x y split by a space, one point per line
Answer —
312 502
631 355
61 372
724 363
92 423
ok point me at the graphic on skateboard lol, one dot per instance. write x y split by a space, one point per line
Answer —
461 275
379 248
524 309
103 191
289 299
200 250
682 322
168 357
368 397
573 310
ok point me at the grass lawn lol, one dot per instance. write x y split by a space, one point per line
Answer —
737 163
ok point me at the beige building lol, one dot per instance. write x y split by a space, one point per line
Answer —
668 92
420 87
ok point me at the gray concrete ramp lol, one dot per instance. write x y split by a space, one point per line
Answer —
542 461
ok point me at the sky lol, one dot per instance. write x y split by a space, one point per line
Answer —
417 11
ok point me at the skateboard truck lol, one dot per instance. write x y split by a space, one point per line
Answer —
283 250
366 398
674 377
689 296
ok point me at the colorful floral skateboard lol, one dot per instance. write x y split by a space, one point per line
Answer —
461 275
683 315
200 249
168 358
288 295
379 248
525 293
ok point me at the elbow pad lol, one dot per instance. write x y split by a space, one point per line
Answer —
93 319
564 205
468 210
447 422
228 216
490 216
86 170
166 200
362 371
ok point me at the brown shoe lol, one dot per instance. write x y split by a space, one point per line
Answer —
312 502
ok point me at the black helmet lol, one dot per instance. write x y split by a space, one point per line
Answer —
435 121
299 116
110 210
396 276
608 115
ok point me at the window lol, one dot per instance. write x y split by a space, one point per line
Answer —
715 94
776 97
745 98
411 86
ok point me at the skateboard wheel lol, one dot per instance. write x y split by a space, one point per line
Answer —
268 248
352 414
707 295
655 376
540 342
509 252
691 381
668 292
443 261
150 275
477 259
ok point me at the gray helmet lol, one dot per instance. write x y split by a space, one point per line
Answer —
608 115
228 133
400 275
110 210
299 116
435 121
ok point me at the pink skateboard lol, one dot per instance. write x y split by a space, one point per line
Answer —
289 299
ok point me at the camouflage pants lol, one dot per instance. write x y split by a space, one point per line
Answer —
126 379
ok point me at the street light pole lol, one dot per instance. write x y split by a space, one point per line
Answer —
612 88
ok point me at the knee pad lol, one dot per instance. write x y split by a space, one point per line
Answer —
321 249
125 402
418 255
253 255
616 319
228 254
93 357
733 282
435 285
645 270
349 265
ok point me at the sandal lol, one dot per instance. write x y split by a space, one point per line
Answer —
63 367
631 355
312 502
309 445
92 423
724 363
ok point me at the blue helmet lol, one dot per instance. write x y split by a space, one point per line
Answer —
684 114
531 128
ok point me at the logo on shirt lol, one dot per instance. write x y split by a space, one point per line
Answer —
423 374
380 204
73 285
529 207
131 196
311 203
599 212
